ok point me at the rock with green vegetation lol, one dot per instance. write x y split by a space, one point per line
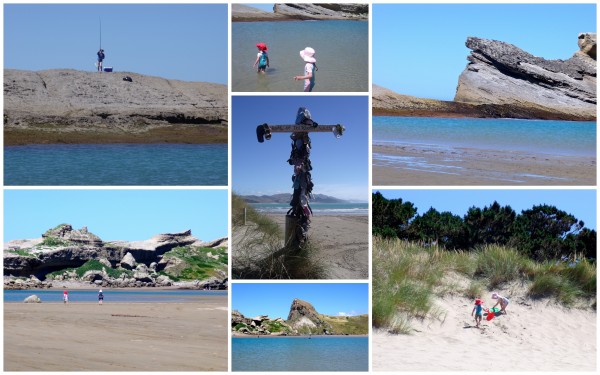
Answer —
65 254
303 319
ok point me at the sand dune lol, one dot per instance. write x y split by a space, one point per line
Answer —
533 336
116 337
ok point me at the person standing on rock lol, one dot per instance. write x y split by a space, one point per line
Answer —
100 297
310 68
65 296
100 59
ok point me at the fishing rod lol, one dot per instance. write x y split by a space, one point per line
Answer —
100 19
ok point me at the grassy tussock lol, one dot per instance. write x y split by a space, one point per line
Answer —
406 277
260 252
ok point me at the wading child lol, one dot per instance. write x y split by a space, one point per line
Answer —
478 310
262 58
310 68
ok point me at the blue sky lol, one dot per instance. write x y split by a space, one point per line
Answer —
267 7
185 41
340 166
275 299
580 203
116 214
419 49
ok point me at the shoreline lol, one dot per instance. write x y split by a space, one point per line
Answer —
210 134
242 336
410 164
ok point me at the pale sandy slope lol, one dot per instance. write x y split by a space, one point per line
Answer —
116 337
533 336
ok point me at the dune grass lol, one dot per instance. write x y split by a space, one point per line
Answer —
260 251
407 277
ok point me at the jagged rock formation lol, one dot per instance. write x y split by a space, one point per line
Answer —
286 12
503 81
138 262
500 73
303 319
70 106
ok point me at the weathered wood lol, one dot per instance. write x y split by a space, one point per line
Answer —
303 128
291 237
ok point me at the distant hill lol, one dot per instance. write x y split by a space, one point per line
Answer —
285 198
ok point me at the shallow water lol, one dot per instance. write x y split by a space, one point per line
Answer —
300 354
116 164
319 209
113 295
342 53
568 138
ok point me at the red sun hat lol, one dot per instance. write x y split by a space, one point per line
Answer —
262 46
478 301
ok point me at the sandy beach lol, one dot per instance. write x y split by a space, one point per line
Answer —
344 242
427 165
116 337
533 336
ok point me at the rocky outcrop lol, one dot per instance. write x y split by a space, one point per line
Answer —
287 12
337 11
91 107
137 262
502 74
32 299
303 319
502 81
66 232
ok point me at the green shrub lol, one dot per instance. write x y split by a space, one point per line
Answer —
498 264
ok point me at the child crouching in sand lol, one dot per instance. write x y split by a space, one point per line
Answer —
478 310
502 301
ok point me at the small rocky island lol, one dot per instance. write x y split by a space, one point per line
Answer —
72 106
501 80
303 319
291 12
68 255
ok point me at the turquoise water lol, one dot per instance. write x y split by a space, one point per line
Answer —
113 295
566 138
116 164
300 354
318 208
342 53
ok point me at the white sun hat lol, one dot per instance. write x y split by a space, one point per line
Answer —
307 55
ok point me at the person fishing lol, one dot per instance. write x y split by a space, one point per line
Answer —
100 59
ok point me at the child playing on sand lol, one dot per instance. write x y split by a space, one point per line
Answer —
310 68
503 301
262 58
100 297
478 310
65 296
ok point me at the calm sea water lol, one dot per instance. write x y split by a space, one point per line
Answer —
342 53
116 164
300 354
113 295
566 138
318 208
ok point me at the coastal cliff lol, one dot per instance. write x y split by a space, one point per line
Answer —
67 254
501 80
289 12
70 106
303 319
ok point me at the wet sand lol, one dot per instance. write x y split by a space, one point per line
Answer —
117 337
429 165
